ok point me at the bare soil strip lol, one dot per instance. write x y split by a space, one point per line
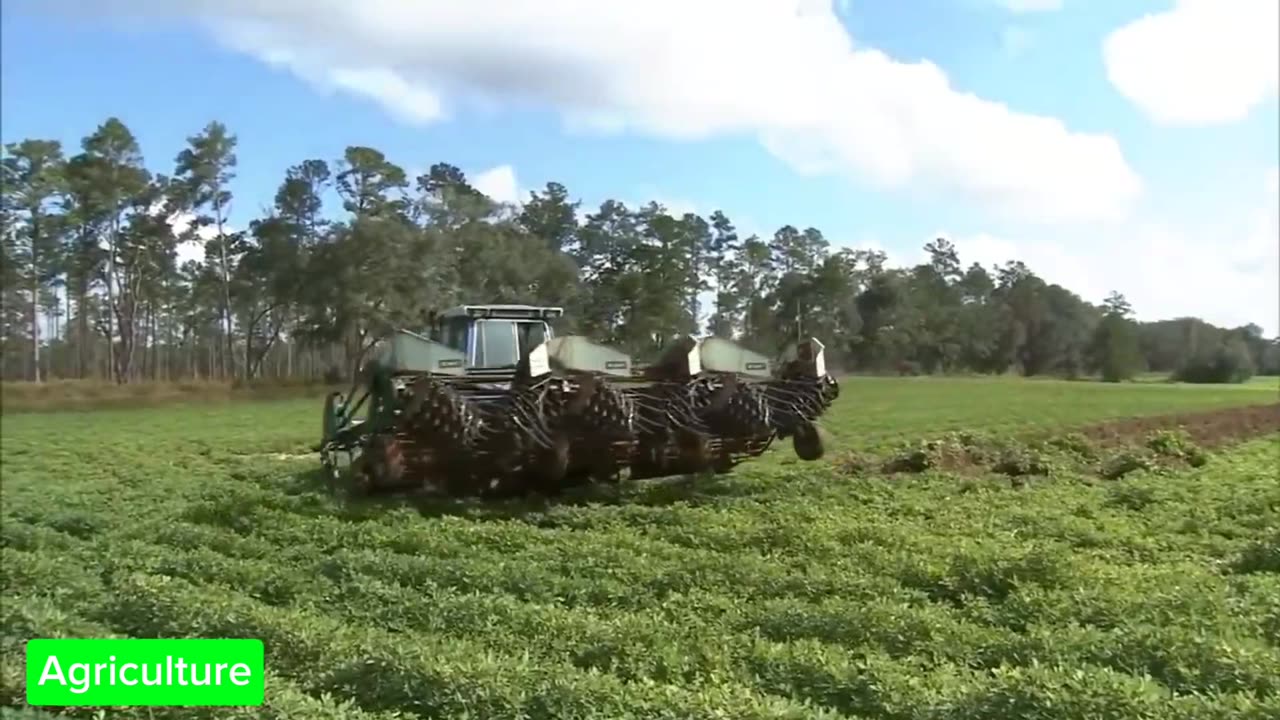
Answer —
1208 428
1110 448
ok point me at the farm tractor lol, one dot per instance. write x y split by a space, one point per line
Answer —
491 402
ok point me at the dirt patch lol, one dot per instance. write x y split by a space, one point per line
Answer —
1110 449
1209 428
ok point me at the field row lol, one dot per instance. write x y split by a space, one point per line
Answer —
791 590
871 413
785 590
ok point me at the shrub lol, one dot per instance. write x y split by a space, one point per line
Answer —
1074 443
1019 462
909 460
1177 444
1115 348
1127 462
1230 362
1260 556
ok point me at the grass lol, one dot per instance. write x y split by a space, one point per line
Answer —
875 412
55 395
787 590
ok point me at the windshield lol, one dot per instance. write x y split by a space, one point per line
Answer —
498 343
495 343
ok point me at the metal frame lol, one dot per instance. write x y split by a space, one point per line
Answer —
662 431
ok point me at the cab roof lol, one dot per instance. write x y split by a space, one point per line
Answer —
518 312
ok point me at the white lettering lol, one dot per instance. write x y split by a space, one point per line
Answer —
82 684
52 662
80 677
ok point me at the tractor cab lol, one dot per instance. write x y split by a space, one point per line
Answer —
494 336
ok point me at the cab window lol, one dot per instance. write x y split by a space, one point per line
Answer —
496 343
454 333
531 334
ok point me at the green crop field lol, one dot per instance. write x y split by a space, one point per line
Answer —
784 590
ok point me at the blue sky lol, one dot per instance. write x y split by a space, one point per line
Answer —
1072 135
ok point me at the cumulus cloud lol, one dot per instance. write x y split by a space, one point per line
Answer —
399 96
1228 274
1203 62
191 249
499 183
783 71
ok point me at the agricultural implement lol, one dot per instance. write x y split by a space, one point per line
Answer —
491 402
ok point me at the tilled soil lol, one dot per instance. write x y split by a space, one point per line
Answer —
1209 429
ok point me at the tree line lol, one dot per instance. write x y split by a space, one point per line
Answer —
351 248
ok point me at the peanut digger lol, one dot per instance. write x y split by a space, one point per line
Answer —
491 402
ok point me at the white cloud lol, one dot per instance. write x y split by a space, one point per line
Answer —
192 249
1228 274
675 207
387 87
783 71
499 183
182 222
1203 62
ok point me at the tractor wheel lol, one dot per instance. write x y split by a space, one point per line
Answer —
603 467
385 464
807 442
551 466
695 450
723 464
504 486
361 476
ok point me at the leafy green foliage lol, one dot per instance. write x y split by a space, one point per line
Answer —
1227 362
1128 461
353 246
782 591
1115 345
1177 444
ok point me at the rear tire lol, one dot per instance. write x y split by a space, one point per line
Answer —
807 442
